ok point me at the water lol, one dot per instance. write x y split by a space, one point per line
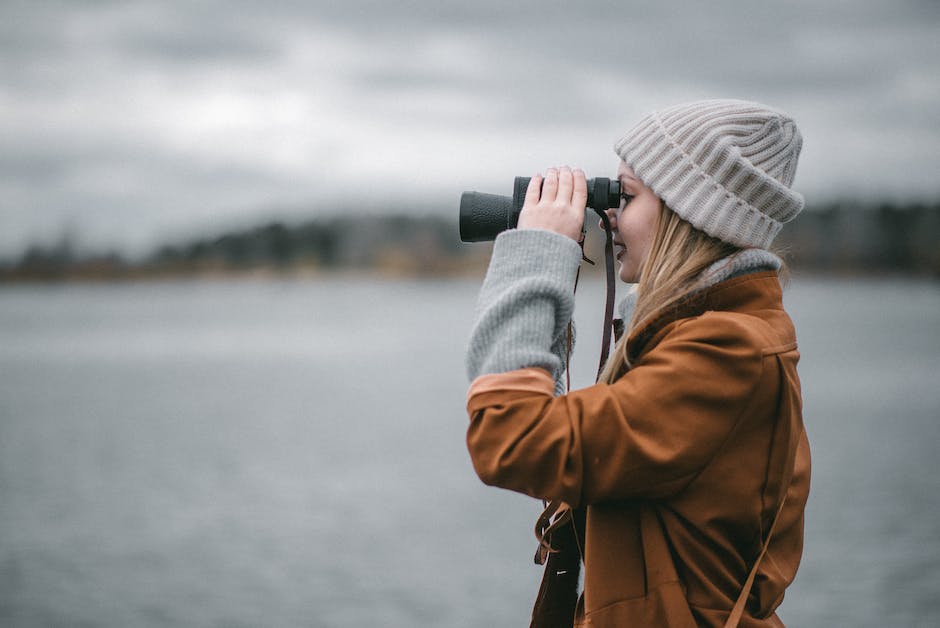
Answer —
292 453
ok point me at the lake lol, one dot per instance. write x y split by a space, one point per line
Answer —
291 453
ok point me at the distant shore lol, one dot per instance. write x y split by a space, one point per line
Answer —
837 239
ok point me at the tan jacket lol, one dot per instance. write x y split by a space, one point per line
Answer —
679 462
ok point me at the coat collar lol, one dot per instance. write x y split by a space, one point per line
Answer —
749 293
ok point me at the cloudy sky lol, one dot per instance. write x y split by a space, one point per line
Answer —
128 123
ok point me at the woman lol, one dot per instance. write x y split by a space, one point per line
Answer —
686 466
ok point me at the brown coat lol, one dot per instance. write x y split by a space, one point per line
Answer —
679 463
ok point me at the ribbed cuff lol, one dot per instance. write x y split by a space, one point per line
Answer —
525 303
521 253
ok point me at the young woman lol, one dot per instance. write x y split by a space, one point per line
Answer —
684 472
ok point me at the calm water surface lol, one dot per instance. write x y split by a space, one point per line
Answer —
292 454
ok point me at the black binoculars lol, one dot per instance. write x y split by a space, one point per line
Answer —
484 216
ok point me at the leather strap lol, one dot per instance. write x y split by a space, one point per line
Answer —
556 514
611 293
558 592
793 436
561 540
738 611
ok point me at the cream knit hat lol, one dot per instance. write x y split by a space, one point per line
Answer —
725 166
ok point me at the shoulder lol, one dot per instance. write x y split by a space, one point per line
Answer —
725 328
711 343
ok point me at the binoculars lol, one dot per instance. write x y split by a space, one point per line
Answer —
485 216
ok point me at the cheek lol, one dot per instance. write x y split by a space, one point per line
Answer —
640 231
637 233
646 225
648 232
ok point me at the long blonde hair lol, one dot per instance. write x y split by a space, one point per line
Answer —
678 255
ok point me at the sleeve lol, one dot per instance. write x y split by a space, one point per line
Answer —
647 435
525 304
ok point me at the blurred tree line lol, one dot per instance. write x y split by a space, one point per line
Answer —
398 244
835 238
885 238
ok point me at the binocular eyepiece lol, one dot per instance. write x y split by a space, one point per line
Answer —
485 216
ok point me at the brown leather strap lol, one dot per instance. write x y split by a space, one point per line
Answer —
556 513
792 436
558 592
561 540
611 293
738 611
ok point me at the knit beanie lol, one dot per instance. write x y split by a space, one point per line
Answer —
725 166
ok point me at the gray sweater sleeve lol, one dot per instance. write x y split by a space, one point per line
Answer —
525 304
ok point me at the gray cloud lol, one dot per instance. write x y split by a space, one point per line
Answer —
127 121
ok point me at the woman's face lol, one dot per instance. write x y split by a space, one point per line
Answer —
633 223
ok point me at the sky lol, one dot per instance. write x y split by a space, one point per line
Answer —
127 124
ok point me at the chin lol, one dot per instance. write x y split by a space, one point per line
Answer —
626 276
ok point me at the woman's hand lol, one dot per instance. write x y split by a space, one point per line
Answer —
558 204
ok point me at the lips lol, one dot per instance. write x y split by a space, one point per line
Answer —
623 249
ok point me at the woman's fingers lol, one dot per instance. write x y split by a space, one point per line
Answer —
534 191
565 184
550 186
579 193
555 202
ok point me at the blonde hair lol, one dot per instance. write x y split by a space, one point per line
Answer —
678 255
